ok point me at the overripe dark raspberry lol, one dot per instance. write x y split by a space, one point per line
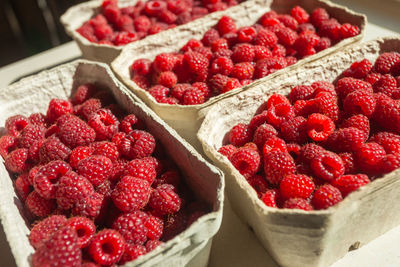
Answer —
84 228
132 226
350 166
326 196
297 203
90 206
369 157
295 130
246 161
138 144
95 168
174 225
131 194
319 127
142 169
38 206
296 186
53 149
327 166
61 249
169 177
277 165
357 121
346 139
74 132
386 61
17 161
15 124
57 108
132 252
349 183
45 228
107 246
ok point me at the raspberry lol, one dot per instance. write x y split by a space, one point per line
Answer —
372 78
246 161
197 65
142 169
205 51
154 227
296 186
90 206
152 244
261 52
242 71
310 151
286 36
141 66
288 21
259 184
301 92
243 53
270 198
263 133
389 141
210 36
15 124
132 252
357 121
111 11
347 30
169 177
369 157
88 107
107 246
123 38
75 132
38 206
274 144
227 150
297 203
323 44
280 113
154 8
277 165
23 186
359 102
346 139
390 163
87 31
79 153
330 28
132 226
266 38
306 41
57 108
138 144
348 162
53 149
61 249
71 188
174 225
104 123
45 228
226 25
193 96
323 86
268 65
30 134
326 104
319 127
124 23
387 85
7 144
107 149
349 183
142 24
159 92
141 81
221 65
387 110
327 166
95 168
359 69
294 130
84 228
294 150
47 177
385 62
299 14
240 135
218 44
179 90
17 161
164 62
131 194
204 88
167 79
326 196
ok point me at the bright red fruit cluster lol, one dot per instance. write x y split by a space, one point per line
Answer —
228 57
119 26
310 149
88 161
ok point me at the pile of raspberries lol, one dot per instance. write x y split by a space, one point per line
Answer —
97 187
120 26
228 57
310 149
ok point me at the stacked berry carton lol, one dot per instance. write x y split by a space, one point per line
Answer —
186 119
293 236
33 94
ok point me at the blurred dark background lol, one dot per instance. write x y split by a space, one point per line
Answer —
28 27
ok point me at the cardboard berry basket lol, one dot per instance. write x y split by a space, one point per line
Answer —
186 120
33 94
297 237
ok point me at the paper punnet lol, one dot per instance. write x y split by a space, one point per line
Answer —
186 120
33 94
297 237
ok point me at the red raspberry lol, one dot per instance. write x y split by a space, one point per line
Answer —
107 149
53 149
167 79
222 53
95 168
47 177
193 96
154 8
87 31
348 162
15 124
164 62
323 44
90 206
179 90
246 34
387 110
132 226
38 206
299 14
250 146
372 77
124 24
221 65
280 113
297 203
330 28
326 196
204 88
197 65
369 157
167 17
266 38
169 177
104 32
17 161
263 133
240 135
226 25
357 121
390 163
286 36
79 153
142 169
84 228
107 246
75 132
277 165
288 21
62 249
132 252
359 102
45 228
159 92
246 161
152 244
294 150
269 65
209 36
258 120
142 24
37 119
385 62
323 86
88 107
271 198
301 92
205 51
104 123
296 186
138 144
141 66
347 30
71 188
274 144
31 134
346 139
164 200
319 127
242 71
154 227
218 44
261 52
306 41
131 194
389 141
174 225
243 53
359 69
387 85
23 186
7 144
326 104
227 150
57 108
118 170
259 184
327 166
295 130
349 183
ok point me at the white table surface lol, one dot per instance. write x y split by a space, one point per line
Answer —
235 245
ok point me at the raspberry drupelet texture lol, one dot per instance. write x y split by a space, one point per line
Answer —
277 165
131 194
132 226
246 161
163 200
326 196
296 186
44 229
107 247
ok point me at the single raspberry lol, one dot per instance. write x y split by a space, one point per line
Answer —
167 79
372 77
7 144
349 162
221 65
266 38
30 134
261 52
87 31
385 62
57 108
346 139
17 161
226 25
197 65
71 188
91 206
53 149
104 123
159 92
15 124
330 28
390 163
141 24
62 249
259 184
280 113
132 252
164 62
132 226
204 88
37 119
359 102
297 203
246 34
141 81
271 198
79 153
193 96
220 43
246 161
369 157
389 141
240 135
179 89
243 53
296 186
327 104
107 149
107 246
205 51
357 121
153 244
47 177
138 144
124 24
319 127
227 150
299 14
326 196
89 106
359 69
23 186
349 183
286 36
142 169
305 108
241 71
141 66
209 36
84 228
38 206
45 228
154 227
268 65
131 194
288 21
323 44
294 150
387 110
301 92
347 30
277 165
310 151
95 168
274 144
387 85
323 86
263 133
111 11
74 132
327 166
295 130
